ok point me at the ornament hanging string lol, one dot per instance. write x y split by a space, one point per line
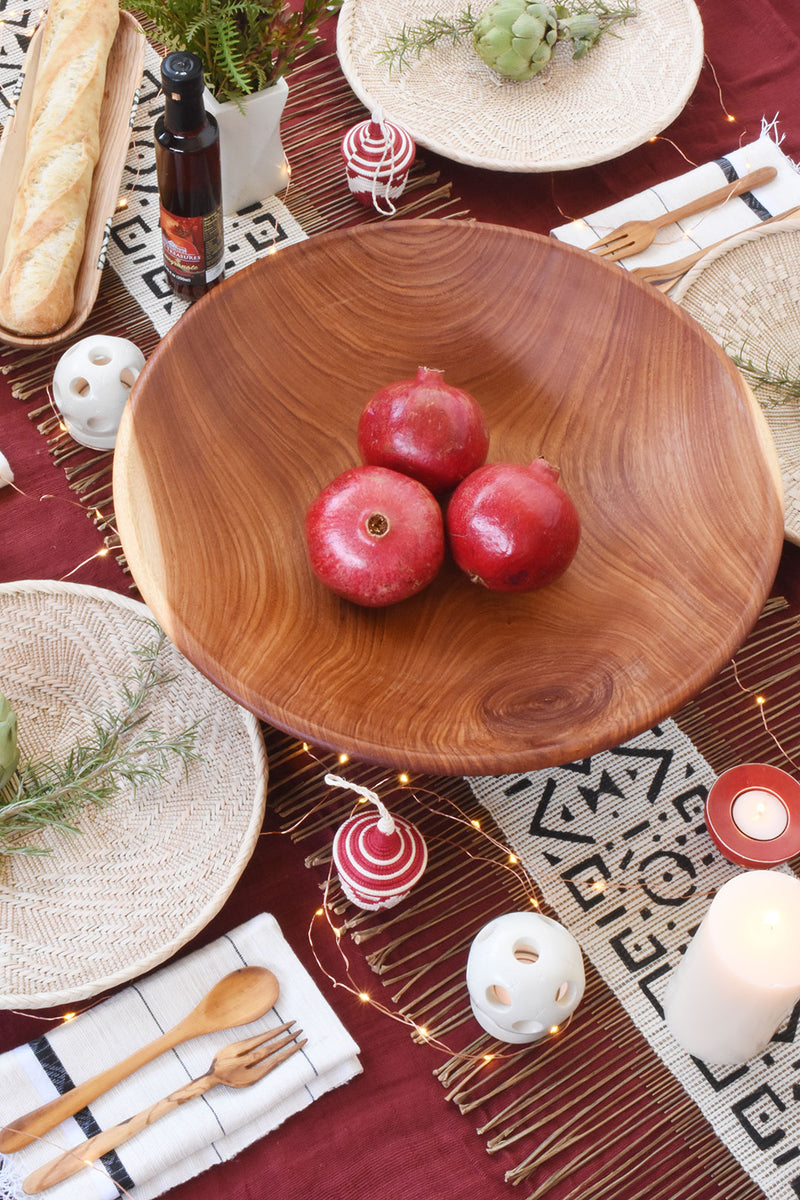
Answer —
390 151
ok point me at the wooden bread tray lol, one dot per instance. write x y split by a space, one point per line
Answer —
123 76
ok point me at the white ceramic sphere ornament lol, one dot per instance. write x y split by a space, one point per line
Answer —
525 976
91 384
378 857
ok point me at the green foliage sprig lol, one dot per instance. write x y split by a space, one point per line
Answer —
782 378
412 40
121 749
244 45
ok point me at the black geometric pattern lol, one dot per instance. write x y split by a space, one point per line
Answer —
618 846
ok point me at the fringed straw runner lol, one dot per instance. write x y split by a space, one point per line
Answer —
616 848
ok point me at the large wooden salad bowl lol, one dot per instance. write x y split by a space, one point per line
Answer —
250 406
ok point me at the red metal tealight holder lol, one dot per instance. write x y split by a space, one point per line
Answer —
753 815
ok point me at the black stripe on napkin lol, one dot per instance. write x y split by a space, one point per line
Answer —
731 174
55 1071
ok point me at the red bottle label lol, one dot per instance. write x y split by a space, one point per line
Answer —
193 246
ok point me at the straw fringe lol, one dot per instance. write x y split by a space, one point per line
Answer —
625 1123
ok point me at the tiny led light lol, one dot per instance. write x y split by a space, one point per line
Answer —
403 778
70 1016
553 1029
512 858
475 824
343 758
761 700
363 996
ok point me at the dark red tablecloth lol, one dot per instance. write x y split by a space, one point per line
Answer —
390 1135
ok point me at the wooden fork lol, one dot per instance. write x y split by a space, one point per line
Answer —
665 276
635 236
237 1065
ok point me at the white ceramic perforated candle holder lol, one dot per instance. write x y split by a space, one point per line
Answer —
91 384
524 976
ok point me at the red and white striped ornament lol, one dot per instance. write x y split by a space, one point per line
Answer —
379 857
378 155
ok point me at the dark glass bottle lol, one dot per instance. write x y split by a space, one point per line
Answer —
189 187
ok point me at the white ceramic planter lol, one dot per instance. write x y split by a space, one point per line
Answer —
254 164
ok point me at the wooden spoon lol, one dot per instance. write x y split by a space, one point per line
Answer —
238 998
237 1066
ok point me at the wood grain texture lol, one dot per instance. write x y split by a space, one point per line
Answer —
250 406
123 76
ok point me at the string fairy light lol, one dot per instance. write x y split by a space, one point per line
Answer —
760 701
445 807
103 551
729 117
324 916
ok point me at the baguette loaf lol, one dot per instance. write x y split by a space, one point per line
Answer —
46 236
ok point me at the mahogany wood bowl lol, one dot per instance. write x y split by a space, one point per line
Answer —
249 407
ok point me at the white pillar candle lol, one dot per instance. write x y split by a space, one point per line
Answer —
759 814
740 975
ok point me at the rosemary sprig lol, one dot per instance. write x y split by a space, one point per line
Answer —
782 377
414 39
121 749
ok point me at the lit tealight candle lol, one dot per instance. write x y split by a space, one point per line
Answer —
753 815
760 814
740 975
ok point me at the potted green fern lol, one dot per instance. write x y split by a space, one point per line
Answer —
247 48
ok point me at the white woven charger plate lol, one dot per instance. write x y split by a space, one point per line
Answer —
747 295
147 873
634 82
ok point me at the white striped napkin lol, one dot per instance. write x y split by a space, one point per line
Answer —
202 1132
734 216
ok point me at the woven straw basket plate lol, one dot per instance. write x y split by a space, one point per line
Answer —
145 874
747 295
634 82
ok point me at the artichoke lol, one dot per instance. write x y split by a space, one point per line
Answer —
9 751
516 37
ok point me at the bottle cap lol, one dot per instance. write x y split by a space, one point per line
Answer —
182 72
